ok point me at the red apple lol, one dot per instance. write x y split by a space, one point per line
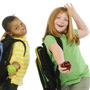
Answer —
66 64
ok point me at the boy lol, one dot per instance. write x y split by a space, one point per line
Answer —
15 27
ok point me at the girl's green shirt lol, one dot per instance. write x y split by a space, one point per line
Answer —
79 68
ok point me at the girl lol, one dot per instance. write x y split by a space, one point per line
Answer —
60 25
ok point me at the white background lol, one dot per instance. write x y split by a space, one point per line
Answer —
35 13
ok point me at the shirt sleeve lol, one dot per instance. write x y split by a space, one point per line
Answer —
49 39
76 31
17 53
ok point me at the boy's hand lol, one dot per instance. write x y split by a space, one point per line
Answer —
17 66
11 70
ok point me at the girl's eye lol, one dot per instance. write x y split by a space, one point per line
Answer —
17 28
58 17
66 19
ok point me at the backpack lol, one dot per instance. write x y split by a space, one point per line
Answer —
6 46
49 78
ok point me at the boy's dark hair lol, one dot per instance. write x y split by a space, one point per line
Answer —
6 21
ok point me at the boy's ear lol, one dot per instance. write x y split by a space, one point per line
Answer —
10 33
7 33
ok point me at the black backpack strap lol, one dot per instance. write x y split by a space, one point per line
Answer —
17 40
59 42
57 71
9 40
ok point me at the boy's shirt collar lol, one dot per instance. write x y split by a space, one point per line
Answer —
20 37
16 37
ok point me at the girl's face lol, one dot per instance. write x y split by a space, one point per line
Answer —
61 22
17 28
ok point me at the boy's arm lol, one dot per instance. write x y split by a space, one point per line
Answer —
58 55
17 55
82 27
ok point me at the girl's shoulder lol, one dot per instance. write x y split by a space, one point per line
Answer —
49 39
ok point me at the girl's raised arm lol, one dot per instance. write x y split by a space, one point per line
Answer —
82 27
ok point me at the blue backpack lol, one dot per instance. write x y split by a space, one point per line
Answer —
6 47
1 50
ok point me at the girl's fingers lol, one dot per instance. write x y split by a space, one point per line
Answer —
68 5
62 69
71 4
66 71
65 6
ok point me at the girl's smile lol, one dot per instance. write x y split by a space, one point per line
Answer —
60 25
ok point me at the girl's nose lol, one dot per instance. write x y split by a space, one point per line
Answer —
61 20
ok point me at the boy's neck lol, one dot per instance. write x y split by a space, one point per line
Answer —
20 37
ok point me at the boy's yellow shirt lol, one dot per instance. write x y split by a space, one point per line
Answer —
18 56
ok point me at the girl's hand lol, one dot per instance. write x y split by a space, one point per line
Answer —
71 9
81 25
63 70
